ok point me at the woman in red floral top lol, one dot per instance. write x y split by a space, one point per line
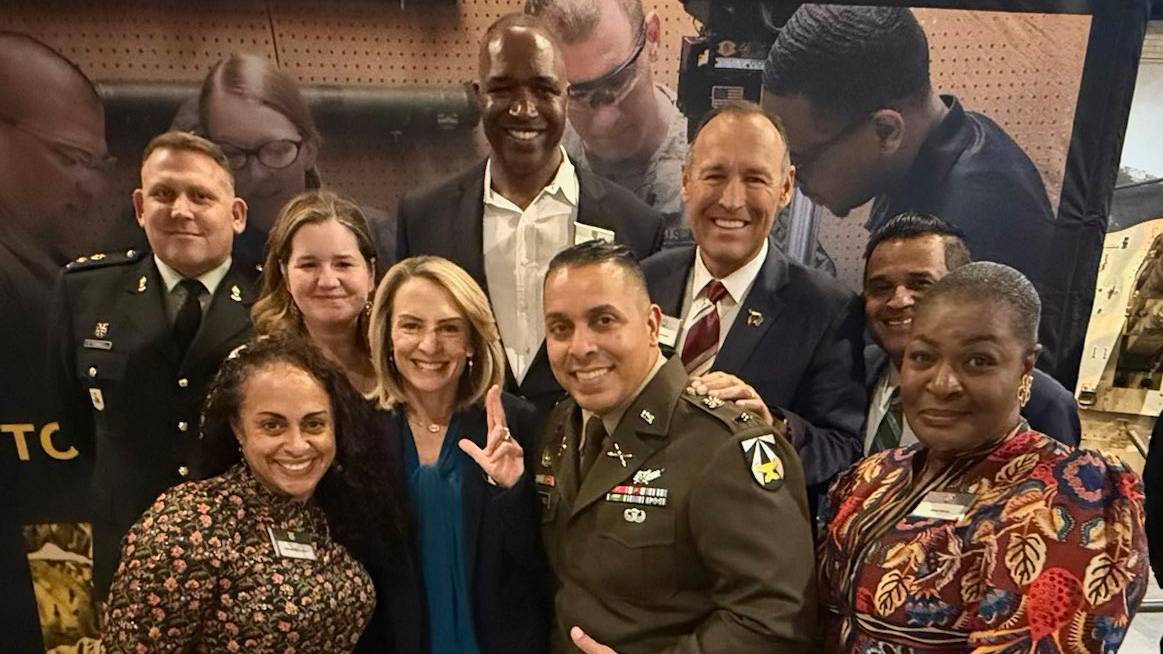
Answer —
260 559
987 536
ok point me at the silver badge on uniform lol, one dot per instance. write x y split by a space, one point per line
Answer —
97 398
635 515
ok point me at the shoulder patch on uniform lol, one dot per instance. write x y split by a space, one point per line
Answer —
105 259
765 465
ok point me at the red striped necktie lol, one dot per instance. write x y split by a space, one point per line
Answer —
702 339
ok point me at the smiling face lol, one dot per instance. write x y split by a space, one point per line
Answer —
327 275
961 371
733 186
601 334
523 102
187 207
898 273
285 429
430 339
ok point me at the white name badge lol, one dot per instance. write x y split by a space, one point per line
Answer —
668 330
97 398
944 506
583 233
292 544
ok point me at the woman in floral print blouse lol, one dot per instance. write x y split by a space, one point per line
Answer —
986 536
260 558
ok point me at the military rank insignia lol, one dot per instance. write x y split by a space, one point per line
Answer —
765 465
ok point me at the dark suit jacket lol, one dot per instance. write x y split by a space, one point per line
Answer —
804 358
128 401
507 573
447 221
1051 410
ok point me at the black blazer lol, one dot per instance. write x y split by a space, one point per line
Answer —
448 221
797 341
1051 410
507 576
129 401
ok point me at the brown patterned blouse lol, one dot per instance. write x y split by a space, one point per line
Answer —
199 573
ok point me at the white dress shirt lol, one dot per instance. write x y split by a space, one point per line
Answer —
175 295
890 380
738 285
518 245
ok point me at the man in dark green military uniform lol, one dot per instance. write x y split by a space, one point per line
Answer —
673 522
137 337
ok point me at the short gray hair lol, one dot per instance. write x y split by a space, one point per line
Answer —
995 284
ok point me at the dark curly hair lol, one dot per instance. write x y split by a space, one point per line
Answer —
360 495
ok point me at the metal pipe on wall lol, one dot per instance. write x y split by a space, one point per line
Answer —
150 106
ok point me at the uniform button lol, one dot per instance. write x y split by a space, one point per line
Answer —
183 425
183 471
92 371
183 382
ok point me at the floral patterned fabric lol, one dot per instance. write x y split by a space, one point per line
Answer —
199 573
1050 557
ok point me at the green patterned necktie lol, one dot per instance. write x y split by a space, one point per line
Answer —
888 432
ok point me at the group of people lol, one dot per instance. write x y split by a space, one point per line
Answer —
515 422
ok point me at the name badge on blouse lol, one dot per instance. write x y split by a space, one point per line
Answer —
944 506
292 544
583 233
668 331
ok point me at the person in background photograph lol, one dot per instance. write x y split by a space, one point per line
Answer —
318 280
263 557
985 536
864 122
257 114
478 581
625 125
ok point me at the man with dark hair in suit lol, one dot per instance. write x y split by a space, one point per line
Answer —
904 257
137 336
749 324
505 218
852 85
673 522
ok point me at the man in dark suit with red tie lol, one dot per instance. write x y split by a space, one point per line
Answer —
750 325
137 336
505 218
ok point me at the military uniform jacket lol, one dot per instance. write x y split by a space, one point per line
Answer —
690 533
128 401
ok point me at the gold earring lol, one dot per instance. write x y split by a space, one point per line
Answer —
1024 389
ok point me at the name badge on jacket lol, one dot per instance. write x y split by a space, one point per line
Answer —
944 506
292 544
583 233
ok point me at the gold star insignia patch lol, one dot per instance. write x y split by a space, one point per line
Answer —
765 465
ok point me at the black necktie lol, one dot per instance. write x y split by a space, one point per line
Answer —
190 315
592 448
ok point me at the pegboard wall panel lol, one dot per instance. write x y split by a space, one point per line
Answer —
1021 70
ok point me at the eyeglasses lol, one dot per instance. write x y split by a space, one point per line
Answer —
804 160
69 155
275 155
612 87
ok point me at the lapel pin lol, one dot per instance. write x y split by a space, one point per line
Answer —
101 329
617 453
141 284
712 402
754 318
546 460
744 417
647 416
235 294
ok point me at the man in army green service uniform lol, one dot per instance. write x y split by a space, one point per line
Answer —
673 522
137 337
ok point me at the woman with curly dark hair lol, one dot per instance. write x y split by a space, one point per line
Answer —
265 556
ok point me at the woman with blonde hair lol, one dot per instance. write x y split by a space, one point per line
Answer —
318 279
477 582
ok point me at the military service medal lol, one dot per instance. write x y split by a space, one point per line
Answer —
766 466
